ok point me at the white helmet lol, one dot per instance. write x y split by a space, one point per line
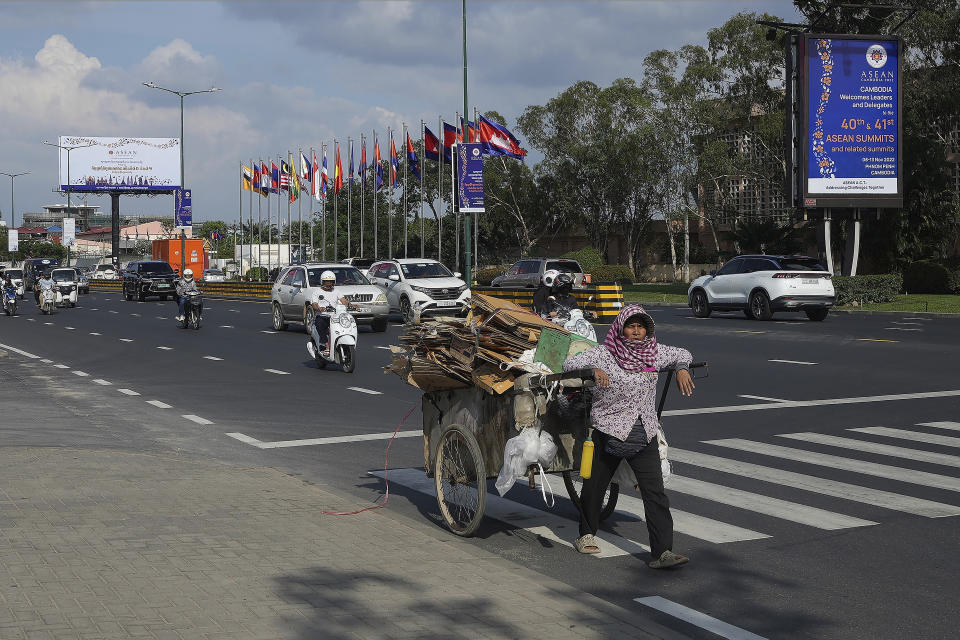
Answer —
549 277
188 273
328 275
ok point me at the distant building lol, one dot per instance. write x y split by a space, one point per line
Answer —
87 216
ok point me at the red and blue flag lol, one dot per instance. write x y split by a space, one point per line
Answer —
498 141
412 160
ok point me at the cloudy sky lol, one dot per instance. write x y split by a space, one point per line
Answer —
298 74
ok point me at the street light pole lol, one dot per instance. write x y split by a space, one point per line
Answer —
182 95
12 176
68 149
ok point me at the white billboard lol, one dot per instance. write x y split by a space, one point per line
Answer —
120 164
69 237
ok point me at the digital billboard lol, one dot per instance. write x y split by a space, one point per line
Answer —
851 146
120 164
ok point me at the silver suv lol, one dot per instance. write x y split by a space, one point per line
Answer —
528 272
294 288
421 286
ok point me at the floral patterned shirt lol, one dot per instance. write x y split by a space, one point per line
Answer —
630 395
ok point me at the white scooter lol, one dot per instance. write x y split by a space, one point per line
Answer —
48 300
573 320
342 340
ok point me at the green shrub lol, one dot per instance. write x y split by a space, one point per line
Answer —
953 282
878 288
257 274
588 257
612 273
926 277
485 276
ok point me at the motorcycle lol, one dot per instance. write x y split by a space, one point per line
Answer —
48 301
573 320
342 340
192 310
10 302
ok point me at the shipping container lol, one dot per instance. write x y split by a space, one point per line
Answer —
169 250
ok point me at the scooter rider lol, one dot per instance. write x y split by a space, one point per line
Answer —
8 285
323 298
44 282
185 285
559 286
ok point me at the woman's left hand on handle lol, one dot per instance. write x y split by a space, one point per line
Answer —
685 382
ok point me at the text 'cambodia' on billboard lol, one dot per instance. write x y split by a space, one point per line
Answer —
120 164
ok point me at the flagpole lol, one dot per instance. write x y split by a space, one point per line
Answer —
323 203
466 138
269 229
440 191
423 167
279 213
390 196
294 170
250 214
312 172
456 210
259 216
239 225
376 164
363 176
349 193
405 165
336 201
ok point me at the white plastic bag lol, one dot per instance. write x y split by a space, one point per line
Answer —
664 449
519 453
548 449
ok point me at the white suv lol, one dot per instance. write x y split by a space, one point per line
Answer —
420 286
759 285
294 287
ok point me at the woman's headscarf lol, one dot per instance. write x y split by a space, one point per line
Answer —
633 355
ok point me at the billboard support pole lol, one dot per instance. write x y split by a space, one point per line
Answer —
115 230
824 240
852 254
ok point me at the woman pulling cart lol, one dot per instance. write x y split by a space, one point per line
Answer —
624 420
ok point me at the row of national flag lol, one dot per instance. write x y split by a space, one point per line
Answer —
495 139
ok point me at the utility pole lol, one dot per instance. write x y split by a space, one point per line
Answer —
68 149
12 176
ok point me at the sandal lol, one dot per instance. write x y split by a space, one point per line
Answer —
668 559
587 544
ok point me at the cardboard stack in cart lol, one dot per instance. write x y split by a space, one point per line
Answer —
450 353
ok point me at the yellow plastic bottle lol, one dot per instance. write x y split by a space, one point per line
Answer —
586 459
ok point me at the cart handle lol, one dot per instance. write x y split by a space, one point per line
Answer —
666 389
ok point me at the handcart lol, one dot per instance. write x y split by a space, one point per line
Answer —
466 429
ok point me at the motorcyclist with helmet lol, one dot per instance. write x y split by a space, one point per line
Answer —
325 298
44 281
184 285
555 294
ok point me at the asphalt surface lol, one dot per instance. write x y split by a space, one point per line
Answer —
813 562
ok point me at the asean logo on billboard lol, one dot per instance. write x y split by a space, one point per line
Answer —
876 56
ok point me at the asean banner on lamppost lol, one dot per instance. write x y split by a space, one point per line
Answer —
470 177
184 209
852 115
69 237
120 164
13 240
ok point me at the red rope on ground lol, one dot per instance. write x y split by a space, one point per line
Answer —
386 456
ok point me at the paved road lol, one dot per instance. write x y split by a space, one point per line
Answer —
817 487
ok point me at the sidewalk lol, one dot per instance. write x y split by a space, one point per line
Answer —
101 543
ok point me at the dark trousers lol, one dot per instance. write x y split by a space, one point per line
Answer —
322 323
656 505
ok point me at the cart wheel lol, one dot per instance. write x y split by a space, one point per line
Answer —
461 480
609 497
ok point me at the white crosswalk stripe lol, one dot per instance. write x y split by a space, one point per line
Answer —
873 447
824 486
846 464
954 426
917 436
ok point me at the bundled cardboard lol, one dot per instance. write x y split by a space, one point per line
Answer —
450 353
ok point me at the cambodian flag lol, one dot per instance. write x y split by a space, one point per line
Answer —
498 141
378 163
275 175
431 145
472 131
412 160
449 138
323 175
363 161
394 163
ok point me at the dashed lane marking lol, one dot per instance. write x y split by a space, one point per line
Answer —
31 319
226 326
94 333
161 317
61 366
746 331
269 332
895 322
46 361
385 348
792 361
158 404
924 319
162 348
135 315
197 419
112 311
70 328
128 392
102 382
875 340
901 329
20 351
698 619
48 323
214 358
82 374
370 391
278 372
749 397
126 339
264 313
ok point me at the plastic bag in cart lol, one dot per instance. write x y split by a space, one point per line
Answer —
529 447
